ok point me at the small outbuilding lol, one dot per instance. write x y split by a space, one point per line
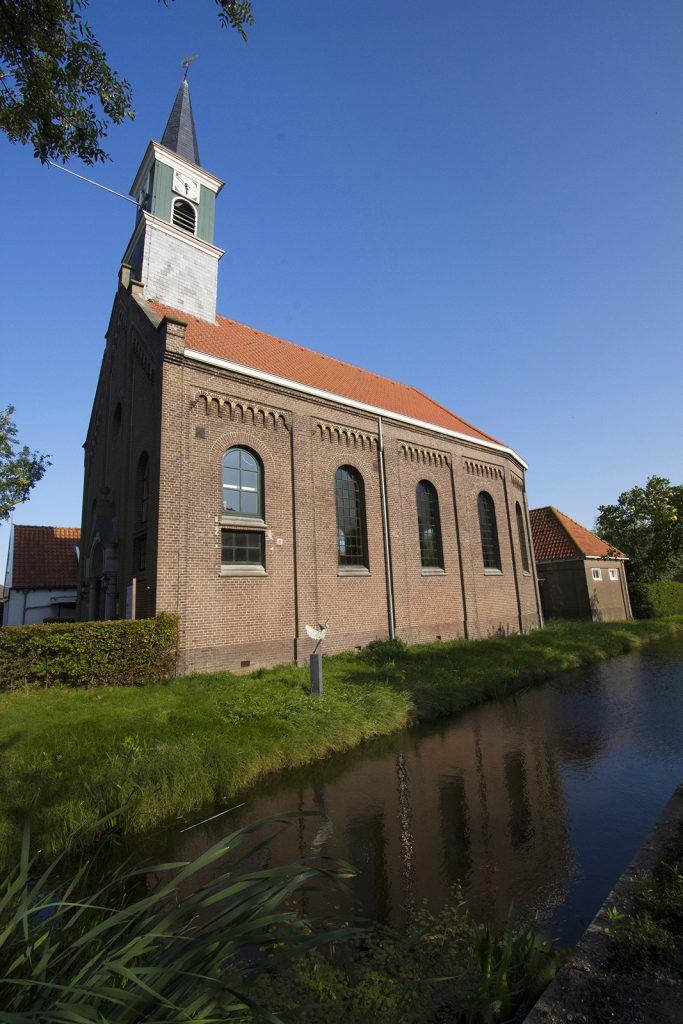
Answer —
42 574
580 576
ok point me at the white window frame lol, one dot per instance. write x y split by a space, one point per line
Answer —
614 575
596 574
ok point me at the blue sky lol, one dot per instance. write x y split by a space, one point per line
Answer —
484 199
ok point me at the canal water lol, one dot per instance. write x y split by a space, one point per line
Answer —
540 799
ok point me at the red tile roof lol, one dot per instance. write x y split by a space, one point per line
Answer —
247 346
45 556
556 536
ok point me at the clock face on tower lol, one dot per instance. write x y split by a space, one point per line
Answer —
186 186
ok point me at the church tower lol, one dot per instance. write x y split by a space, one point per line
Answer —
171 250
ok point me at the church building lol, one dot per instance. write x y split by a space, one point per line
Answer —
254 487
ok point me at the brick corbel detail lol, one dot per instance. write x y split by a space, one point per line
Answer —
337 434
431 457
483 469
240 410
517 482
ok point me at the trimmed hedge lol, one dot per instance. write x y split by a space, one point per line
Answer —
655 600
115 652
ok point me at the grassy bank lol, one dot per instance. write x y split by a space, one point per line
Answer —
70 755
648 939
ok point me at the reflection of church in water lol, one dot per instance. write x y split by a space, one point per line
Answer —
477 803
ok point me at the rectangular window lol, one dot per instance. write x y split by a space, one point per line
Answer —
597 574
614 574
242 547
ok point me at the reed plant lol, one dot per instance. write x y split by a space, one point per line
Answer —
511 969
81 943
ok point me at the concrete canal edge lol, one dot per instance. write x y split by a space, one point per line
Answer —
583 992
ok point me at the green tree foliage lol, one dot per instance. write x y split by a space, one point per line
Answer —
646 523
657 599
58 92
20 468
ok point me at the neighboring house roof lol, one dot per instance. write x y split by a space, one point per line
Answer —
556 536
237 343
45 557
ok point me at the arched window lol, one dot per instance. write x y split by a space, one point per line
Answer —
184 215
490 547
429 525
522 537
242 484
96 560
349 494
142 491
96 585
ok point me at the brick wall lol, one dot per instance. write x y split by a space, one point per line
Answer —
124 423
238 622
429 603
301 442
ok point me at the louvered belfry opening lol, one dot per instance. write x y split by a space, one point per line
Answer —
184 215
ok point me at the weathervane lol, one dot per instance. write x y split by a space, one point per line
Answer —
186 61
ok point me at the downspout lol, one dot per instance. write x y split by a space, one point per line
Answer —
295 566
459 547
514 556
385 533
534 573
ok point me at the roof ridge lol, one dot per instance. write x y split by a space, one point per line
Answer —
576 523
560 515
42 526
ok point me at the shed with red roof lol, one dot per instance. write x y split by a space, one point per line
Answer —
580 575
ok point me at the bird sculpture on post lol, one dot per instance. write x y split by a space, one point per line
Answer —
316 658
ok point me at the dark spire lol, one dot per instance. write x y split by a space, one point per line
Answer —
179 133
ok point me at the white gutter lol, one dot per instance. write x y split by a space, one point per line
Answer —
579 557
330 396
